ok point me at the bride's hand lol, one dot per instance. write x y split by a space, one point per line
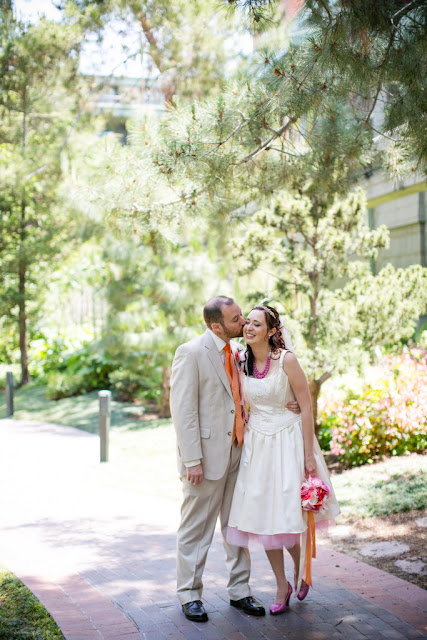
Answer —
310 464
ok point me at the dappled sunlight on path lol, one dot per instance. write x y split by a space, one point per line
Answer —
96 543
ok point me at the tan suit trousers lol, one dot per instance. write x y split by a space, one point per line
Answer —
202 504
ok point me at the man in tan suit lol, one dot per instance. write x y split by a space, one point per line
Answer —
204 407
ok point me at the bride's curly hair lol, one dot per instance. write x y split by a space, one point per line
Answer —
275 341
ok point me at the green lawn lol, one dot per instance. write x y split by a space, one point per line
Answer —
79 411
394 485
22 617
143 449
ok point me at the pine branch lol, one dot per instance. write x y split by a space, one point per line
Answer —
182 200
287 153
380 133
325 7
219 144
267 142
324 377
404 10
274 275
379 87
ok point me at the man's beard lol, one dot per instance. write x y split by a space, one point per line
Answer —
230 335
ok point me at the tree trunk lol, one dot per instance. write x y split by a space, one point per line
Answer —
22 321
22 266
315 386
314 392
165 411
167 72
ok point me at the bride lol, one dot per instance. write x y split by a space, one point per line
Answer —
280 451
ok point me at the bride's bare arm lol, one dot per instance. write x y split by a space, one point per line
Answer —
299 385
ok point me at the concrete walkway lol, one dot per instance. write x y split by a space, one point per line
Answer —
102 560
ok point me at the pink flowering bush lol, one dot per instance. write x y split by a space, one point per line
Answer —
388 418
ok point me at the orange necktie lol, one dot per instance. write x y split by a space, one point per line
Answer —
233 378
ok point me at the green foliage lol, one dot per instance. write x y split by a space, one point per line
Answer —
318 103
386 307
80 412
9 348
318 246
395 485
137 379
324 435
375 57
387 418
79 372
22 616
126 384
155 294
38 96
190 46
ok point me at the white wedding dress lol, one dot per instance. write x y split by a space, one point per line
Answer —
267 498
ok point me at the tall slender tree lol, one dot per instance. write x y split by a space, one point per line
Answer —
38 66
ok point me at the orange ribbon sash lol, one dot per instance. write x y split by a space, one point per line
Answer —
310 549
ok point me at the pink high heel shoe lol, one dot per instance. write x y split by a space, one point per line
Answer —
279 608
302 593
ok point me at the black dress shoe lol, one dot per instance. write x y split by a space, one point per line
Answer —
249 605
195 611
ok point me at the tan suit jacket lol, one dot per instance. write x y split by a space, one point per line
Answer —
202 406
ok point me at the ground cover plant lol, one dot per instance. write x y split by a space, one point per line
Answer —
395 485
22 617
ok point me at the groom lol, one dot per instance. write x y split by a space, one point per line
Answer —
207 414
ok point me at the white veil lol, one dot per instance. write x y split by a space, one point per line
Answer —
286 335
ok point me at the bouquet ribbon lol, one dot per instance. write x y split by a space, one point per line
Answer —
310 549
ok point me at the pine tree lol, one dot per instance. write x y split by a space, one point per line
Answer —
155 294
37 76
317 249
372 53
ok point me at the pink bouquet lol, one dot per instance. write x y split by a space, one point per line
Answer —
314 494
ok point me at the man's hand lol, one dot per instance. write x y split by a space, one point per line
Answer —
293 406
195 474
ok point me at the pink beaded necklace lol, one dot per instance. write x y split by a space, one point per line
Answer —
263 373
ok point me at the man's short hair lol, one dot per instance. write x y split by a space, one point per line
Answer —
213 309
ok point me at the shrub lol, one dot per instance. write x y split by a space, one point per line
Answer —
137 378
50 352
389 417
64 385
80 372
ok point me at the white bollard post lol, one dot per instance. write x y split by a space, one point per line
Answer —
104 422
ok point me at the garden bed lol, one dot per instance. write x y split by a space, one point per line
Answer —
399 528
381 503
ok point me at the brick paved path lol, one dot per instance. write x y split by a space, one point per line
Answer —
103 560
